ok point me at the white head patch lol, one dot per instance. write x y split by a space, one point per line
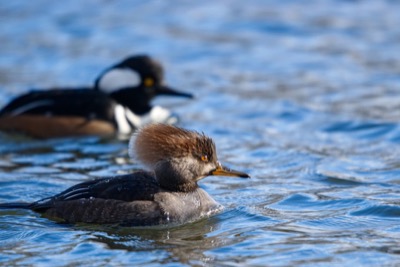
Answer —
115 79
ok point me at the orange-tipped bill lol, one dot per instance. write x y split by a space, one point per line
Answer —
224 171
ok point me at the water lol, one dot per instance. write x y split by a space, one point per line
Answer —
303 96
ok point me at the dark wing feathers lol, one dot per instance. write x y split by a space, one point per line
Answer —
63 102
136 186
108 211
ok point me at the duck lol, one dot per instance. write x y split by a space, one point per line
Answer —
117 104
166 192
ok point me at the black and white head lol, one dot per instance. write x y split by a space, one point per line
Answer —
134 82
178 157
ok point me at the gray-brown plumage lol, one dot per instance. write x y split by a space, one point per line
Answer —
168 194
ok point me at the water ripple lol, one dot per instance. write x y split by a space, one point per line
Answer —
304 99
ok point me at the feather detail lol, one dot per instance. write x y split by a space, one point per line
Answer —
158 142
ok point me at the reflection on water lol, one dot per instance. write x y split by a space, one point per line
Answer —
304 98
184 244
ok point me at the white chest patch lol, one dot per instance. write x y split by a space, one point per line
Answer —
116 79
122 122
126 119
162 115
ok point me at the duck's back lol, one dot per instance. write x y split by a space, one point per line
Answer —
126 199
62 102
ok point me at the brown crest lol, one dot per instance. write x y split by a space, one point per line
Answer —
157 142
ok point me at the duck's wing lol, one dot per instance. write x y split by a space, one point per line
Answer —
136 186
108 211
84 102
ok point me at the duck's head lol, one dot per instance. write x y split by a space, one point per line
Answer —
134 82
178 157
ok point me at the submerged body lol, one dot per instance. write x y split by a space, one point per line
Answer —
167 195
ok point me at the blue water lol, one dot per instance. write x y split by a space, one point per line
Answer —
303 95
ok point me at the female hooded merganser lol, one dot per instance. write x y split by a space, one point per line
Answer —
118 103
168 194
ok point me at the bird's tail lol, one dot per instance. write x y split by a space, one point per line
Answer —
15 205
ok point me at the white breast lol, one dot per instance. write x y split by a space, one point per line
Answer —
122 122
127 121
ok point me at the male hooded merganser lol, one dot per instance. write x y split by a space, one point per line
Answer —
118 103
168 194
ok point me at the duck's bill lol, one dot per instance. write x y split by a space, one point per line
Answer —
224 171
165 90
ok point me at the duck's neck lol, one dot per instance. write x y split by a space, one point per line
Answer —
174 178
187 187
134 99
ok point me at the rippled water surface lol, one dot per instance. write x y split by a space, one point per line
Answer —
304 96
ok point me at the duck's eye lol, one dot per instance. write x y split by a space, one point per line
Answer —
148 82
204 158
